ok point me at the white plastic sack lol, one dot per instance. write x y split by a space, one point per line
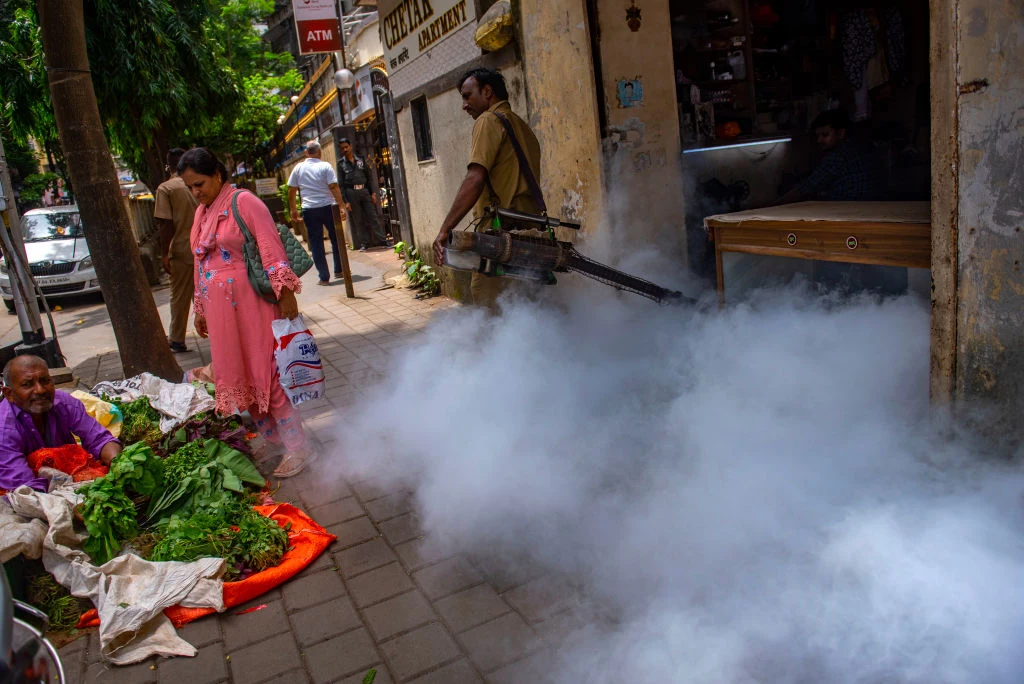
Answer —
298 361
176 402
129 593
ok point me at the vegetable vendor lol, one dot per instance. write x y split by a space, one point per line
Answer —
36 416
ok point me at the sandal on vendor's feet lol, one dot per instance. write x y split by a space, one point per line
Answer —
293 464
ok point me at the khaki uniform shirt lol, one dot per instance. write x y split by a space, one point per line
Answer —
493 151
175 202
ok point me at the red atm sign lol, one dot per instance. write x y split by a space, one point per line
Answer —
316 23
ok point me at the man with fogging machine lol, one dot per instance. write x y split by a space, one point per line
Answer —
494 177
359 188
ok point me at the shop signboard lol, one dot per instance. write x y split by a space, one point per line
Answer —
359 99
266 186
316 24
411 28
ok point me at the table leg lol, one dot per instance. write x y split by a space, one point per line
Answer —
718 269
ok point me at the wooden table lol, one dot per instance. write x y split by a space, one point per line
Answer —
879 233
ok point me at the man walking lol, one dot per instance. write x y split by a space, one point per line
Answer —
319 185
173 214
494 176
359 191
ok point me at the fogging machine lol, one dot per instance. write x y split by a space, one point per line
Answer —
499 252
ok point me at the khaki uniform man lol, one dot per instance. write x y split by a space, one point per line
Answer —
493 176
174 211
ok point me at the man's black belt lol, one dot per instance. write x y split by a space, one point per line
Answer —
355 187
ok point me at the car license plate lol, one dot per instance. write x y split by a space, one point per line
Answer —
58 280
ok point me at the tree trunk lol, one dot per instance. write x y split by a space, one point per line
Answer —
133 314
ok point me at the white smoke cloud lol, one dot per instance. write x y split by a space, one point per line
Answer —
757 494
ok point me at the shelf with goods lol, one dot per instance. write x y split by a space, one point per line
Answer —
712 43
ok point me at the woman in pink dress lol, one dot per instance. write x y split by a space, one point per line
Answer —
230 312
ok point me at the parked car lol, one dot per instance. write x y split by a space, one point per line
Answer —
57 254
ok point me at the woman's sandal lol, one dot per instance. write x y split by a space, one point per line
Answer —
293 464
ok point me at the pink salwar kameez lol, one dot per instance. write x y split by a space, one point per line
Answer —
238 319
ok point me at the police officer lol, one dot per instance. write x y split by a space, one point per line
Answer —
360 200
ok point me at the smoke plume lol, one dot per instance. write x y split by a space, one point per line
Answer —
757 494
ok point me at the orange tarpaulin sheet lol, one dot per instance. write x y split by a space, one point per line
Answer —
307 541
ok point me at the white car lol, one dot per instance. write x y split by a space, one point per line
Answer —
57 254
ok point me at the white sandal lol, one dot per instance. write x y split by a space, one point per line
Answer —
293 464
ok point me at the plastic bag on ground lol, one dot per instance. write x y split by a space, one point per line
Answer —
298 361
105 413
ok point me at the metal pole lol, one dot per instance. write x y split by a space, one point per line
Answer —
21 281
343 249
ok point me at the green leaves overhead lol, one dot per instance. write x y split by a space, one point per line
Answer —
166 74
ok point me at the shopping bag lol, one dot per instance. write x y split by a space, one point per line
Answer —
298 361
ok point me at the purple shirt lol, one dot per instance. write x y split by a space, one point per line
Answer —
19 438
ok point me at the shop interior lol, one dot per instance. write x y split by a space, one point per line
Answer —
752 76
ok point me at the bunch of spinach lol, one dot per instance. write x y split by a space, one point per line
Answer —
107 508
109 517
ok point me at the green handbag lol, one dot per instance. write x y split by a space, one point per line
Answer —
298 257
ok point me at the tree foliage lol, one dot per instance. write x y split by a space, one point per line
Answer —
167 73
24 91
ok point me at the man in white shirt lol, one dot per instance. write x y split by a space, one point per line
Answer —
319 185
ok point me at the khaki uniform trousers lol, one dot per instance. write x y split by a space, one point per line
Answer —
182 290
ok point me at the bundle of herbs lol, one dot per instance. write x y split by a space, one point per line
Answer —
248 541
140 422
62 609
208 511
200 505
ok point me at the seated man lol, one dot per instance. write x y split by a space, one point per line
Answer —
35 416
848 171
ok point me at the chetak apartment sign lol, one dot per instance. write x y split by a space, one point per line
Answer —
409 28
316 23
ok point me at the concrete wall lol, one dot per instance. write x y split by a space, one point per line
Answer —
558 64
642 146
978 353
365 46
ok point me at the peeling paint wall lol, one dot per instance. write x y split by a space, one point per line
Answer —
990 215
641 147
559 75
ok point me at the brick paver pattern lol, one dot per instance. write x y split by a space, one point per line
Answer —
382 597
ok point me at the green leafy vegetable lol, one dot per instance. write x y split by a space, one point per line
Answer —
60 606
248 541
108 511
141 422
109 517
212 484
186 459
138 469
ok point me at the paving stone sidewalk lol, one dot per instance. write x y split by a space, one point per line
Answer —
383 596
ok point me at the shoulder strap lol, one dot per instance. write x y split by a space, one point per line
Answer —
238 217
524 165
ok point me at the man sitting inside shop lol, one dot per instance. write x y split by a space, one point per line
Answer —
847 172
36 415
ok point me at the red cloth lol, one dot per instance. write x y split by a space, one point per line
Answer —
306 539
71 459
